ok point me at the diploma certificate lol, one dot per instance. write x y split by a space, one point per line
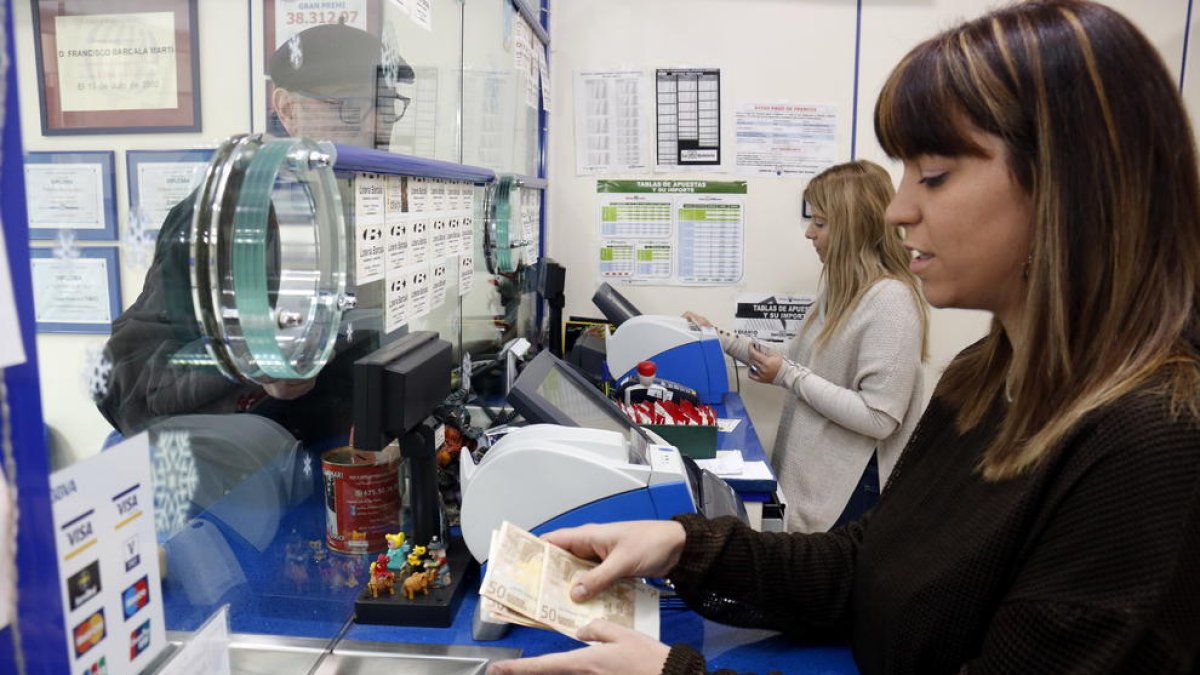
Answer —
71 291
162 185
117 62
65 196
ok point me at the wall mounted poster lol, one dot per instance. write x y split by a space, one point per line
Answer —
117 66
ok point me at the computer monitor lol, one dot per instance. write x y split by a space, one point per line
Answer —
549 391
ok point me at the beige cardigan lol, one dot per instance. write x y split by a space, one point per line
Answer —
859 394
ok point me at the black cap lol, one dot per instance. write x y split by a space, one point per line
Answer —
334 55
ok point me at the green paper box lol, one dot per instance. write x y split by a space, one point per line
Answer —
697 442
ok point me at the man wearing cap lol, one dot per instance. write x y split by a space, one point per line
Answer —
331 83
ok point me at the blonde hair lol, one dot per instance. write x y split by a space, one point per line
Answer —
862 248
1095 132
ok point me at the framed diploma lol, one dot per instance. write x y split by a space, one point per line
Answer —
160 179
117 66
71 190
76 295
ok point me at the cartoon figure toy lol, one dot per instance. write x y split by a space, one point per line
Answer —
397 551
382 578
418 581
414 558
438 561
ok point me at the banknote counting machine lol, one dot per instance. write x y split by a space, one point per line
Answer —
546 476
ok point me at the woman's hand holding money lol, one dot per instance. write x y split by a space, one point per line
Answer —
647 548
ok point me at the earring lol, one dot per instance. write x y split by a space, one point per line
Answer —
1026 266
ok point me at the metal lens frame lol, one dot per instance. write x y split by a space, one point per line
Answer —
263 318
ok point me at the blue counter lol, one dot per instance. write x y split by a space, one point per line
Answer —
296 587
744 438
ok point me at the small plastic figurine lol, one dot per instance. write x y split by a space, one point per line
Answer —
418 581
414 558
382 578
397 551
295 566
437 561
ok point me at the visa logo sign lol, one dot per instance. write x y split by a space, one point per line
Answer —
80 533
61 491
127 504
135 597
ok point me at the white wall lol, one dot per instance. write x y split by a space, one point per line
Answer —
798 51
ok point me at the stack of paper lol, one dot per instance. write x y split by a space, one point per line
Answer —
529 581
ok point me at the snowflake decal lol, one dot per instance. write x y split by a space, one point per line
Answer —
308 466
295 52
390 57
138 241
66 248
97 371
175 479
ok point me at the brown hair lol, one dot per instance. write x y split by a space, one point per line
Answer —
862 248
1095 132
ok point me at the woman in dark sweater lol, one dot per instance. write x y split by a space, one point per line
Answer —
1045 517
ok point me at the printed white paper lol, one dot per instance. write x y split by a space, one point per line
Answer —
396 222
103 509
162 185
396 310
371 248
294 16
65 196
466 273
419 290
688 104
421 12
768 317
71 290
672 232
610 133
438 278
782 139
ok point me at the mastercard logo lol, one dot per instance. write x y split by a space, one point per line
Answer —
89 633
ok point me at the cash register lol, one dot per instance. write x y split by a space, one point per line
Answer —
681 351
579 461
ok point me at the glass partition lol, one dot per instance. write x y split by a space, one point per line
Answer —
501 93
239 300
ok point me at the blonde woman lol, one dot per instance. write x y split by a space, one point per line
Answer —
854 370
1045 517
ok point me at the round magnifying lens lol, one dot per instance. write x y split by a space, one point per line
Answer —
499 252
269 258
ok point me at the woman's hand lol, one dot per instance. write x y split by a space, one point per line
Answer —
644 548
764 364
621 650
697 319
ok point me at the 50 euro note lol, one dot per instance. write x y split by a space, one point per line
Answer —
510 583
628 603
